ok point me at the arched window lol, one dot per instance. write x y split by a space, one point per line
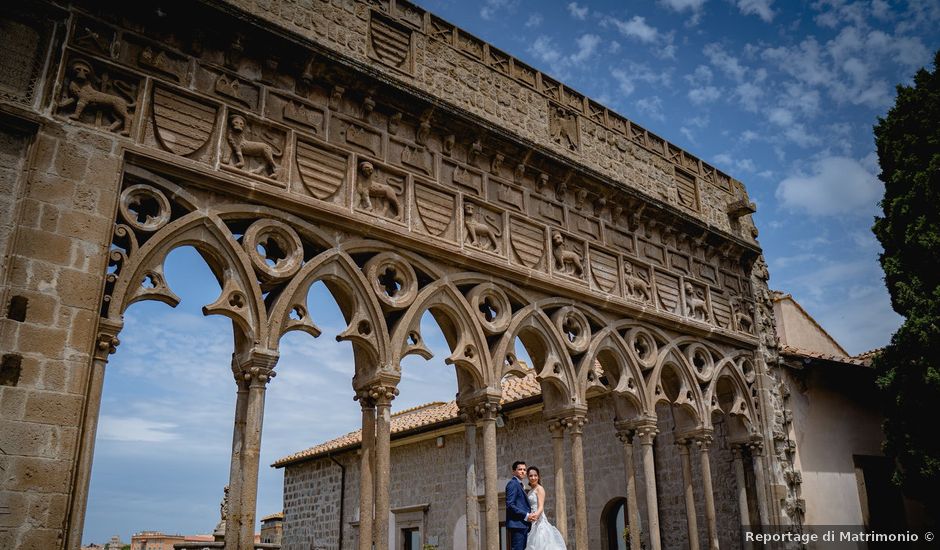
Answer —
613 523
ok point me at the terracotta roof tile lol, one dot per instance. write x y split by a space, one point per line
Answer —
797 352
514 389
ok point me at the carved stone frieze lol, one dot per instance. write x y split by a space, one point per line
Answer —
254 147
183 123
95 94
379 192
323 171
482 228
435 211
569 259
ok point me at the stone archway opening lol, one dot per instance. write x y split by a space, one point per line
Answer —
163 442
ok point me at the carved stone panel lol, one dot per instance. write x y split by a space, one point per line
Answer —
527 242
695 301
506 194
92 36
721 308
24 42
254 147
680 262
621 239
465 179
568 255
412 157
564 128
585 225
706 271
182 123
687 190
637 281
322 171
667 292
435 211
605 271
98 94
547 210
228 86
154 59
356 136
380 191
652 252
482 227
391 43
296 112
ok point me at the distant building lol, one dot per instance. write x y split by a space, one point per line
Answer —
272 527
156 540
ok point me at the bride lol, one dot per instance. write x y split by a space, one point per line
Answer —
542 535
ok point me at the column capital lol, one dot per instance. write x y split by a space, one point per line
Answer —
381 394
624 433
487 410
756 445
574 423
557 428
106 345
703 439
364 397
468 412
647 433
683 444
255 367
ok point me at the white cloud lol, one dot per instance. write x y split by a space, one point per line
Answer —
837 185
748 94
760 8
534 20
544 49
637 28
135 429
628 76
703 95
725 62
578 12
651 106
683 5
491 8
587 44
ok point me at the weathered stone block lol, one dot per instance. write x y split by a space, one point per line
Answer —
28 439
49 342
79 289
53 408
12 402
44 245
52 189
40 539
38 475
71 161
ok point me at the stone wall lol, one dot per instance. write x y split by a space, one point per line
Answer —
424 473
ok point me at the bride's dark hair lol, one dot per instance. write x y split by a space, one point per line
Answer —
536 470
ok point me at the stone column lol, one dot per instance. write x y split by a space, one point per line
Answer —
757 450
704 441
683 445
625 435
470 463
487 412
233 506
383 396
257 371
575 425
107 344
737 451
366 465
557 429
647 434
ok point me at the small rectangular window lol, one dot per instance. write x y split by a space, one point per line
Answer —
411 538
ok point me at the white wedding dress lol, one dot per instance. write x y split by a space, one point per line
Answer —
542 535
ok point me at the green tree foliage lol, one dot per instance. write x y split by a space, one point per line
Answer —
908 142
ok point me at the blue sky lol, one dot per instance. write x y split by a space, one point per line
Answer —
781 95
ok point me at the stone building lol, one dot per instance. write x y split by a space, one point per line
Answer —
412 168
830 406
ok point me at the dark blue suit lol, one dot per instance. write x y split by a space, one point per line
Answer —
517 508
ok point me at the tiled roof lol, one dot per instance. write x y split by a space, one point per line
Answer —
797 352
514 389
869 355
275 515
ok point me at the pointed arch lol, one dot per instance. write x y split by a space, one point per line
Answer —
741 406
609 348
688 395
240 299
461 329
365 325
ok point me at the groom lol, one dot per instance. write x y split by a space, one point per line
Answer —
517 508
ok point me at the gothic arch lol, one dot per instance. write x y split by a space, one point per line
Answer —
621 371
240 298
